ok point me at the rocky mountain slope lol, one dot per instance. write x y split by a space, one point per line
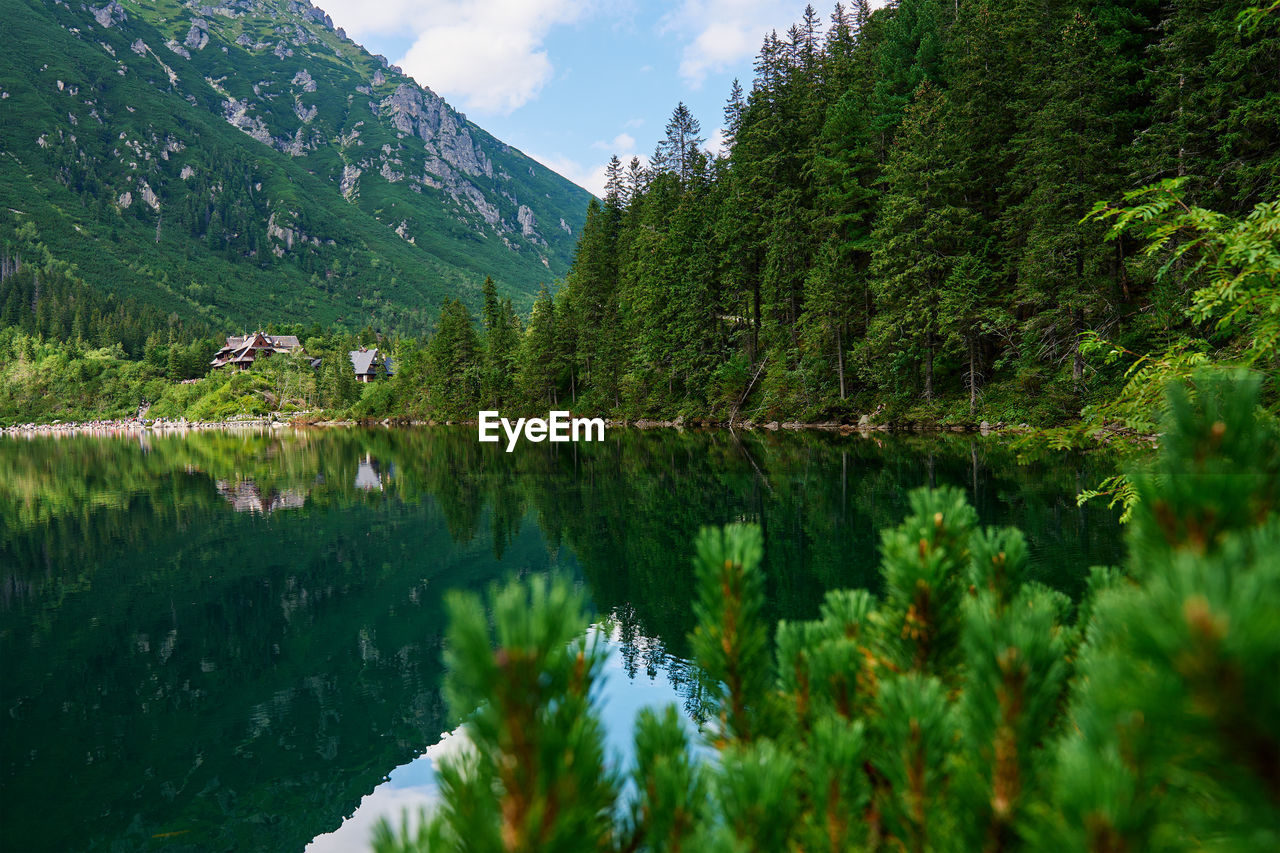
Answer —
247 162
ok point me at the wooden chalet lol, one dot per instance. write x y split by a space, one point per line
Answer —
371 364
242 350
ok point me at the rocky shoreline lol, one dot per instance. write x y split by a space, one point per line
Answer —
132 426
863 425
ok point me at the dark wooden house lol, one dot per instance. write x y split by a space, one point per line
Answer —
371 364
242 350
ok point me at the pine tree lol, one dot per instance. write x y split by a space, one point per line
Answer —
615 185
541 361
733 115
453 354
679 150
966 709
501 337
1215 117
919 237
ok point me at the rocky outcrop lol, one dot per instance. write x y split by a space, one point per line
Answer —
236 113
487 210
198 36
528 224
276 231
389 174
420 112
148 195
348 184
303 79
109 15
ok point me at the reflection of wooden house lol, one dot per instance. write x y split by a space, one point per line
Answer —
242 350
245 496
368 476
371 364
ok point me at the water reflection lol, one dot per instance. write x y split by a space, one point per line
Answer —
229 640
413 787
246 496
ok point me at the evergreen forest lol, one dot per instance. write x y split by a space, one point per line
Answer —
934 212
987 208
964 707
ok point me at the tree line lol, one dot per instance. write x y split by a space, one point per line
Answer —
904 220
900 214
962 706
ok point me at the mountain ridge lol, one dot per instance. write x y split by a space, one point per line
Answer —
280 168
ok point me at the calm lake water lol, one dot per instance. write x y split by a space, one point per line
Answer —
231 641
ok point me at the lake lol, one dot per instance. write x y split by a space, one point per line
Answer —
232 640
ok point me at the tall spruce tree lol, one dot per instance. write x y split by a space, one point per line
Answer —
455 364
919 237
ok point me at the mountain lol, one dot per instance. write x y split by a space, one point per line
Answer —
247 163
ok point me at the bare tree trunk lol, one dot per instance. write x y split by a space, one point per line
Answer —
1077 361
866 308
928 365
840 360
973 376
755 320
1124 273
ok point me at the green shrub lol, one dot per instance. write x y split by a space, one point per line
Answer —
968 709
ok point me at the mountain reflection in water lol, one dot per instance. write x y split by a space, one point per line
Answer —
228 640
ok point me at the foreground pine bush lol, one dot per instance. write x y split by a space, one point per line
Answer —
968 709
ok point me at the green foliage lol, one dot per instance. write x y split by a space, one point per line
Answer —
731 641
674 785
901 224
936 718
246 178
455 361
42 381
1238 259
532 776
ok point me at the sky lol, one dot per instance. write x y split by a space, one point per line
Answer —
572 82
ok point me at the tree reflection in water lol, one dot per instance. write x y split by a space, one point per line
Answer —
176 672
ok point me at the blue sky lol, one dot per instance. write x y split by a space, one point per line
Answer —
570 82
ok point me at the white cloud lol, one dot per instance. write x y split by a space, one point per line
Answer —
621 142
631 123
488 56
721 34
591 176
715 143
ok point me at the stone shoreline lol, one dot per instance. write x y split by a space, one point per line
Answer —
135 427
863 426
